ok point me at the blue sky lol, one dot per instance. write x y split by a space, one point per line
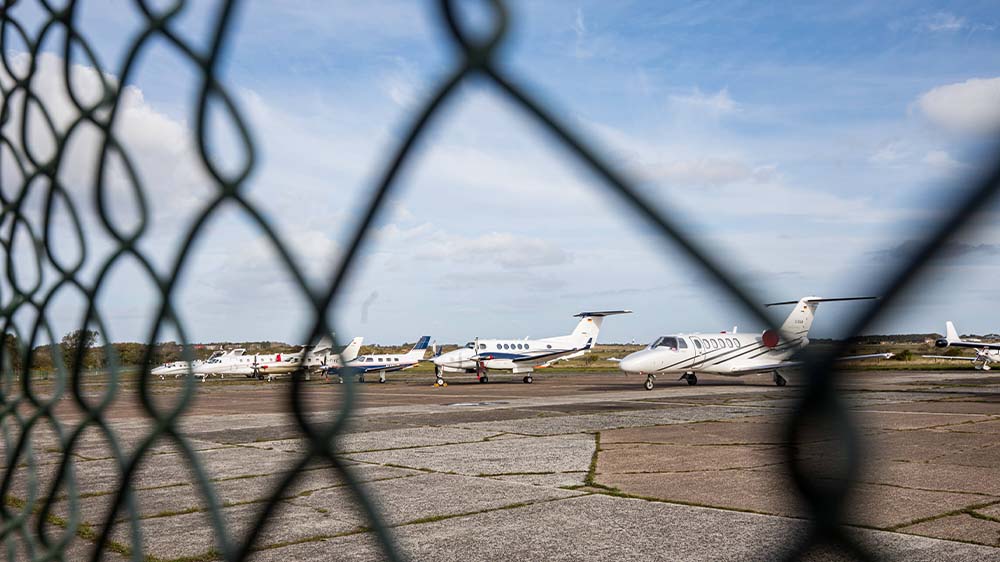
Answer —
806 146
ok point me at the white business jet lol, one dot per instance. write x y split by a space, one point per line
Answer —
986 353
318 357
521 356
383 363
232 362
178 368
733 354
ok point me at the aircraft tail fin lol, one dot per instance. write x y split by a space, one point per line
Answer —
951 334
590 325
420 349
800 320
350 352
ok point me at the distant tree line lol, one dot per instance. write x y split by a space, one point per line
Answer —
126 354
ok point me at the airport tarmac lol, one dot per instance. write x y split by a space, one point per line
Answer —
573 467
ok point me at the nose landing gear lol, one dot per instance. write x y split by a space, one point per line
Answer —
779 380
649 382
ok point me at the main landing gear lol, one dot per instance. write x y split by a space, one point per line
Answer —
779 380
691 378
481 373
528 380
381 378
439 377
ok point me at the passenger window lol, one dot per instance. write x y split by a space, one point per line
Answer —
499 346
482 346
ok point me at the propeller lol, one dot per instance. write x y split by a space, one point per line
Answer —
982 359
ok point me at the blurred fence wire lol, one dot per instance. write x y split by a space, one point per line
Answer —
33 143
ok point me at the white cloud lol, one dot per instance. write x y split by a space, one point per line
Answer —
503 249
707 171
941 159
716 104
972 106
944 21
890 152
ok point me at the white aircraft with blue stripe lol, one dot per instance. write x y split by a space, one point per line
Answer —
521 356
732 354
383 363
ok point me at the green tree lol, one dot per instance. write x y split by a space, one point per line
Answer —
11 354
72 342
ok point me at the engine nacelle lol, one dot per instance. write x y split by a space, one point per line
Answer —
942 342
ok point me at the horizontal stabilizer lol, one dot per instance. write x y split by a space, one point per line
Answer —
819 299
601 313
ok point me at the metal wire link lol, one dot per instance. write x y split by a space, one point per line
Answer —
28 526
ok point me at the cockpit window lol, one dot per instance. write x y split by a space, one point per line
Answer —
666 341
471 345
682 343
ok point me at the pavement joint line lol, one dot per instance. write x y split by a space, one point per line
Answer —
697 470
966 510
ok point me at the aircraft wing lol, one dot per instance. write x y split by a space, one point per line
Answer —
790 364
550 356
952 357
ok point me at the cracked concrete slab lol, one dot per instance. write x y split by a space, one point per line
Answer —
601 528
431 496
386 439
959 527
562 453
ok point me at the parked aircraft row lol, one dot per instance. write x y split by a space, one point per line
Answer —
685 354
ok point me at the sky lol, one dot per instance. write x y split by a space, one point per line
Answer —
807 148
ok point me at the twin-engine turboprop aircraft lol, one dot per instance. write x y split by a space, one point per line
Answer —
384 363
521 356
986 353
733 354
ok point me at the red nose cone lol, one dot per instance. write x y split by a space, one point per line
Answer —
770 338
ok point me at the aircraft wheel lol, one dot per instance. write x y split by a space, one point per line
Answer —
381 380
779 380
649 383
692 379
528 380
484 379
361 378
439 382
986 367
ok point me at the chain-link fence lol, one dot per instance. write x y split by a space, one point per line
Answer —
35 143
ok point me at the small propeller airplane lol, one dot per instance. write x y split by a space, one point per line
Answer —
521 356
732 354
986 353
383 363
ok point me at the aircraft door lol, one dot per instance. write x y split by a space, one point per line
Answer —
696 344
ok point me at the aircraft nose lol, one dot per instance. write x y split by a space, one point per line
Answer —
631 364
